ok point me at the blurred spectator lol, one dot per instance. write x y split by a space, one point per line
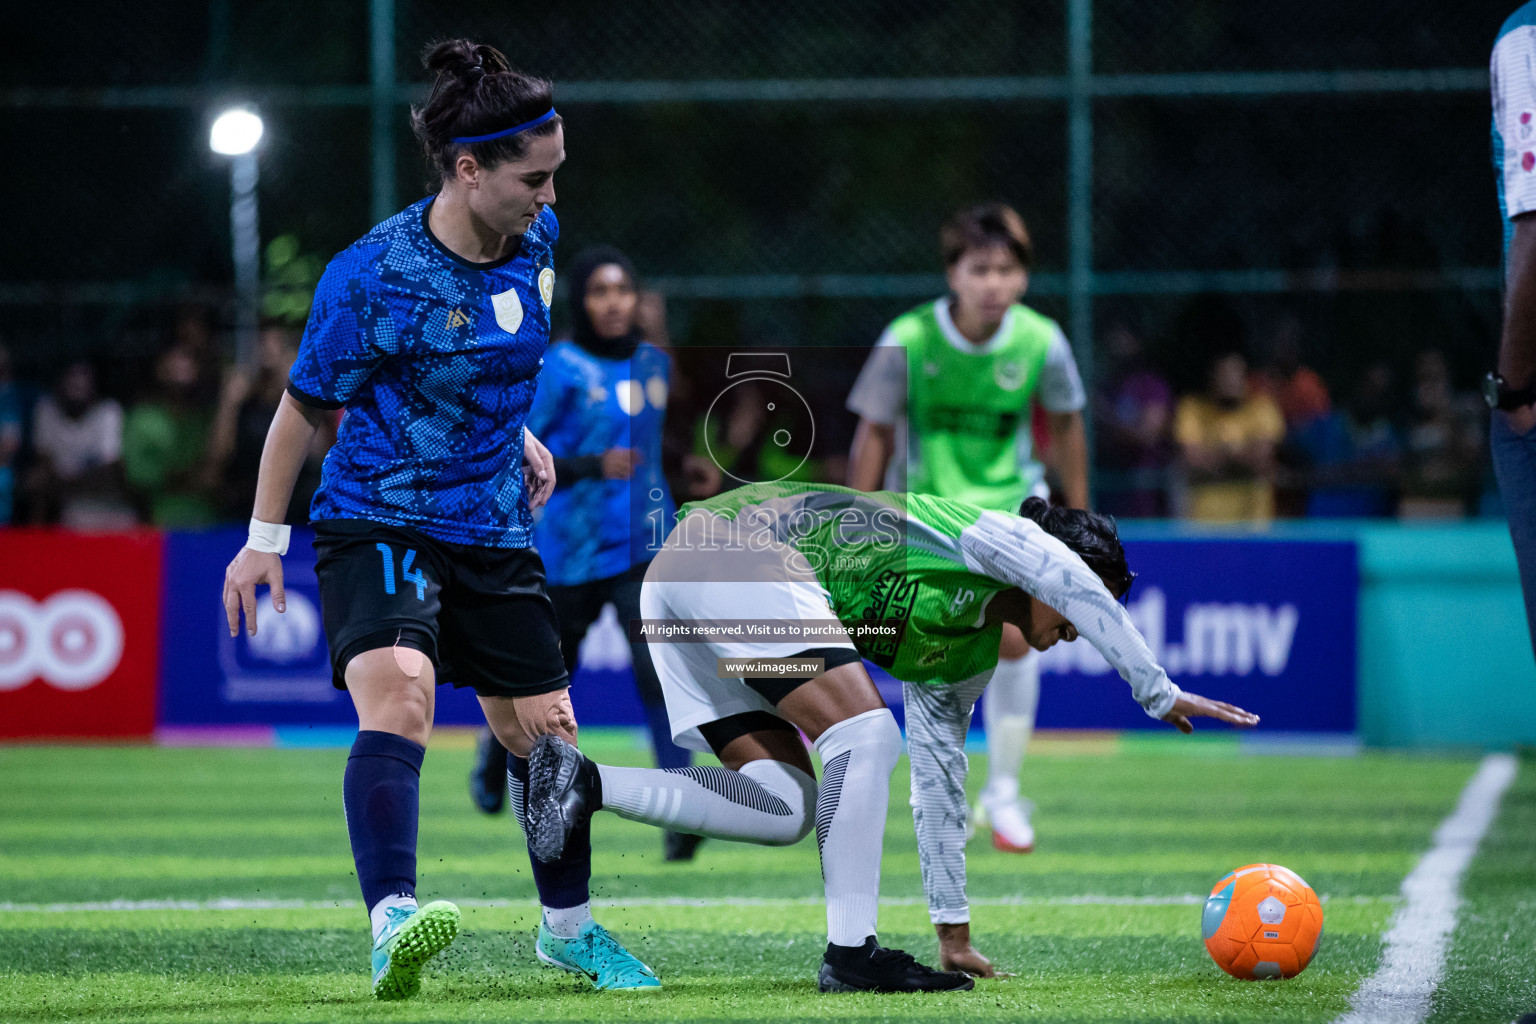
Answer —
1353 458
77 437
163 443
1297 389
1227 441
247 403
193 335
10 436
1445 445
1304 402
1134 408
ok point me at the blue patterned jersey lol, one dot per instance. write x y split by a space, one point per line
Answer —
595 528
435 360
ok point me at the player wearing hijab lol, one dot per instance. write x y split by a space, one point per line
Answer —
827 576
430 331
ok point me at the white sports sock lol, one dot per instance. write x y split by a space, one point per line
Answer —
376 914
766 802
1009 703
857 757
567 922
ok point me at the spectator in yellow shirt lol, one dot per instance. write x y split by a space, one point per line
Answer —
1227 440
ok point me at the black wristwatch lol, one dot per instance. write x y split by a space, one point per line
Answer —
1499 395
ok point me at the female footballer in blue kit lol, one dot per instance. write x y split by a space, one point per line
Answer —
430 330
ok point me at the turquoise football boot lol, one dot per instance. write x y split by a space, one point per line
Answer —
598 957
410 938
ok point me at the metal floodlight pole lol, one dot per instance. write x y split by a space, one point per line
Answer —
236 133
245 231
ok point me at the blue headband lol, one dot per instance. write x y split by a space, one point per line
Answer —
508 131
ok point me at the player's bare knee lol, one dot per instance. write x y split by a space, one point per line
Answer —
544 714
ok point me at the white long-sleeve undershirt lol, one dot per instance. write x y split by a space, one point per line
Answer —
1018 551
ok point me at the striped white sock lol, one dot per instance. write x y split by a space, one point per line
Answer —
766 802
858 756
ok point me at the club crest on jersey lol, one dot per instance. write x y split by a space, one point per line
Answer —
630 395
1009 374
547 285
509 310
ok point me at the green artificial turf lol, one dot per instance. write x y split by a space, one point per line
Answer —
1490 972
1101 923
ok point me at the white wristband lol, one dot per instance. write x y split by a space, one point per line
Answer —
268 537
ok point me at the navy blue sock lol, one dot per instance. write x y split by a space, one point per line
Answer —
567 881
668 754
382 794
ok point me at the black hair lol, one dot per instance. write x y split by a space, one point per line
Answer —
980 227
475 91
1092 535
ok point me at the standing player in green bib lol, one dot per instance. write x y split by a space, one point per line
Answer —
827 576
944 407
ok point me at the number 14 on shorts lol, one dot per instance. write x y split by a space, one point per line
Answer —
406 574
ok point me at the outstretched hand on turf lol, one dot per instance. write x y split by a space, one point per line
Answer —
245 573
1192 705
957 954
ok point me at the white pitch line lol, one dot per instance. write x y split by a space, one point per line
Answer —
109 906
1414 961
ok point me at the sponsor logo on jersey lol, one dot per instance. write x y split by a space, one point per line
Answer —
630 395
892 598
509 310
963 597
547 285
1009 374
457 319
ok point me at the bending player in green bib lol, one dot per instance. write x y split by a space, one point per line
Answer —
827 576
944 405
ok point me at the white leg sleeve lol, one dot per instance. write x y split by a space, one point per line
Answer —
937 720
857 756
766 802
1009 702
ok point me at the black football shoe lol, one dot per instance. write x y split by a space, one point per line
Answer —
872 968
488 778
564 789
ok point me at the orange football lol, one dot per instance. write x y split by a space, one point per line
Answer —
1262 921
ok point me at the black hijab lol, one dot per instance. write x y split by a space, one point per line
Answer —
582 267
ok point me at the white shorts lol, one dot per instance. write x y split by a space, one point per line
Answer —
761 585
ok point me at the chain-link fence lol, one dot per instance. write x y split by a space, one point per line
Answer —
779 170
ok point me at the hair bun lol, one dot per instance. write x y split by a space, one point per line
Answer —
1035 508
